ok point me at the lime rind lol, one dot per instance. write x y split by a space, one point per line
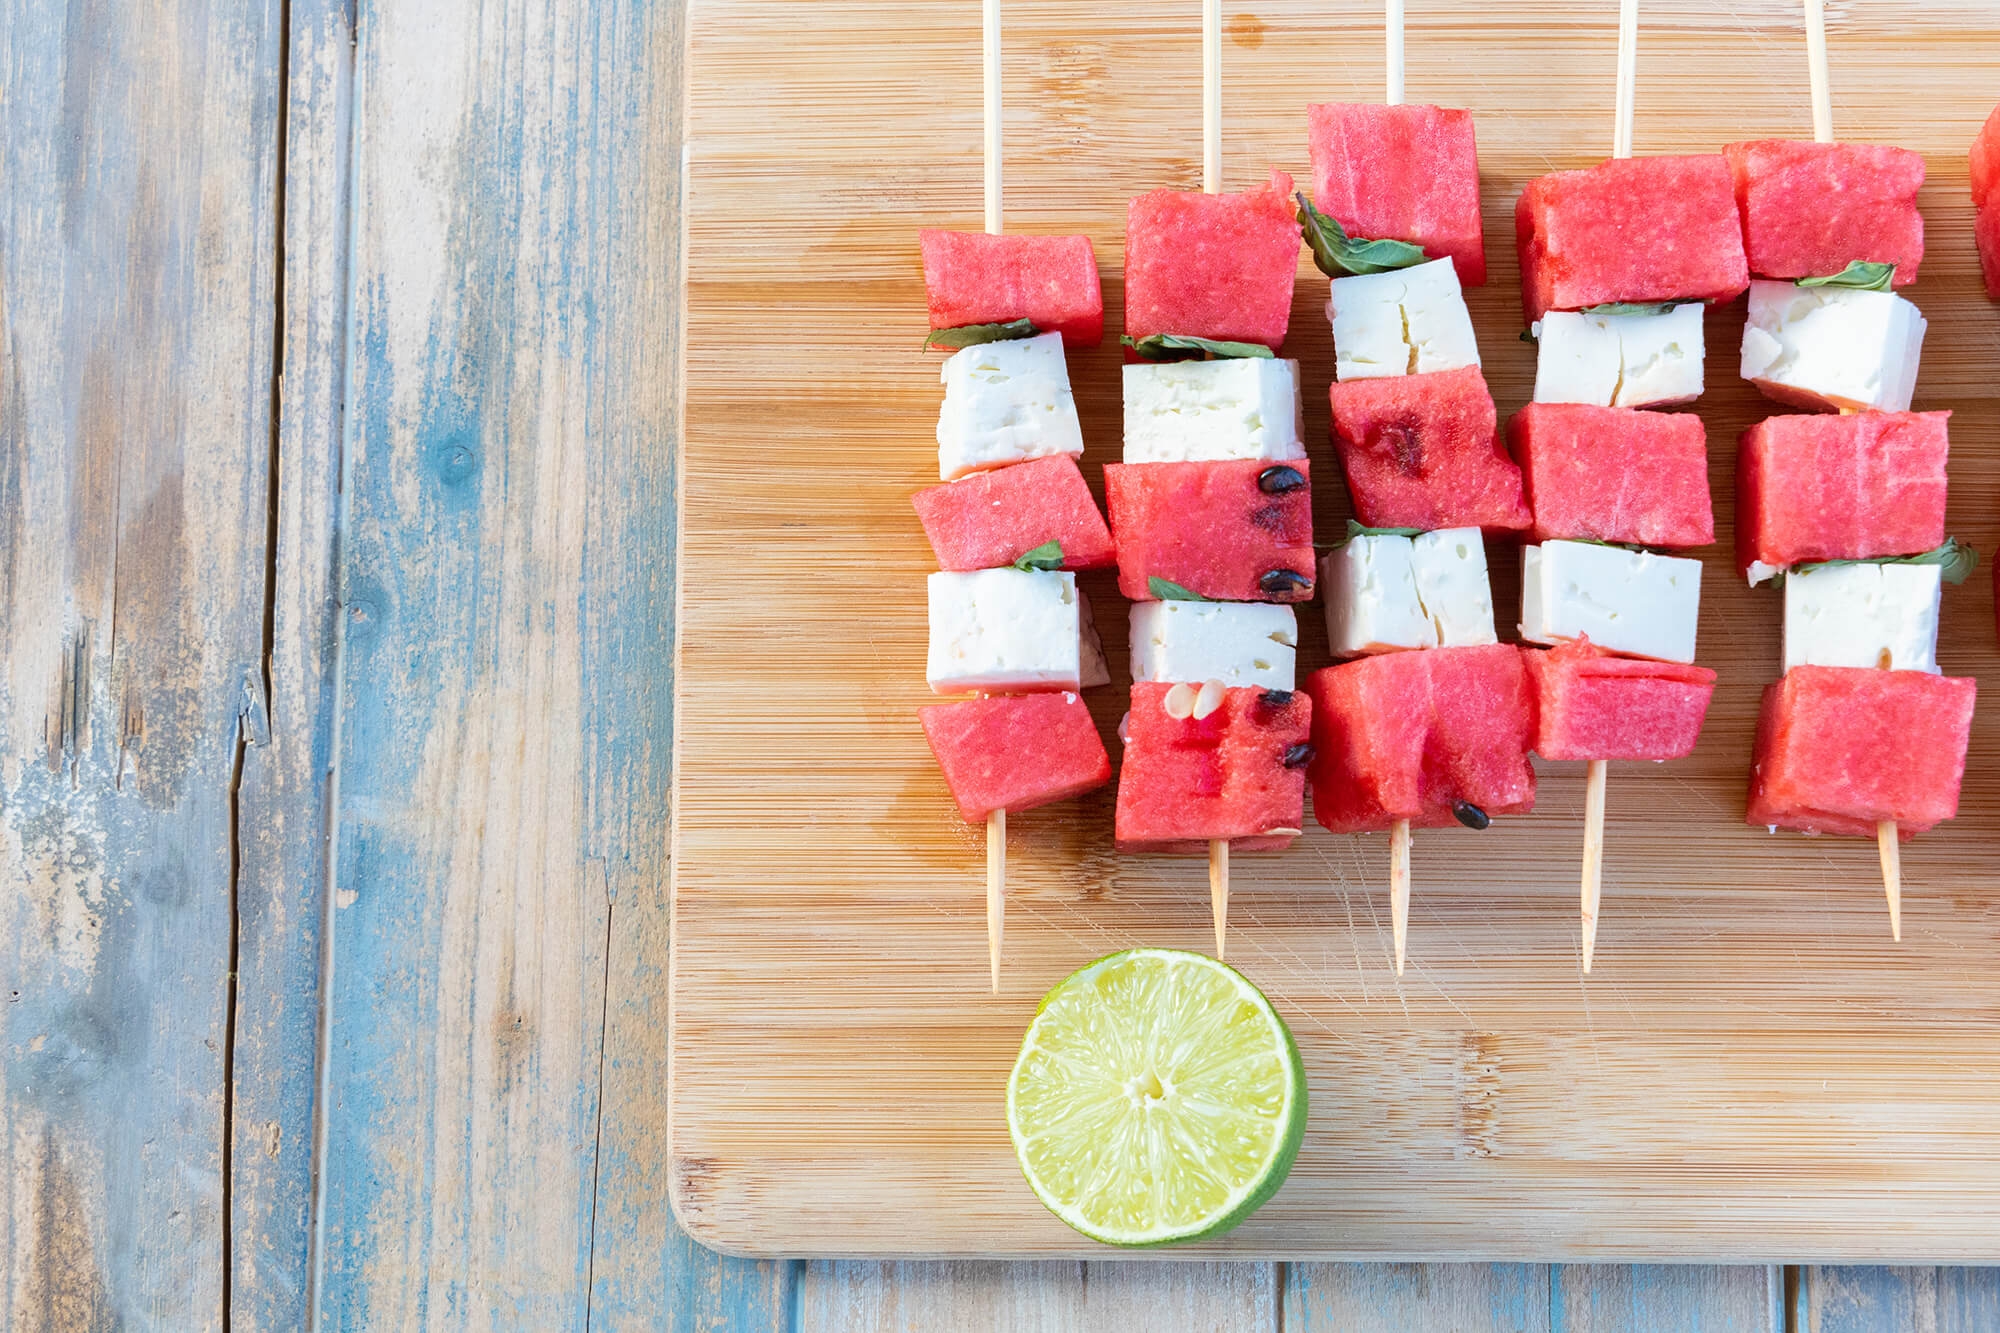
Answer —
1216 1135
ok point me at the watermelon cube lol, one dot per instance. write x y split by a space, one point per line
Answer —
1237 772
1223 529
1591 705
1809 209
1410 735
1986 200
1212 265
1015 752
973 278
1631 229
1401 173
1839 488
1839 749
1424 451
994 518
1614 474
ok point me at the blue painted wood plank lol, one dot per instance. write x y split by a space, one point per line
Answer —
136 268
1869 1299
283 805
1684 1298
1365 1298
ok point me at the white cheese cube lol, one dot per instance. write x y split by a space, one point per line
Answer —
1409 321
1832 347
1004 629
1631 602
1006 402
1237 643
1620 360
1194 411
1385 593
1869 615
1457 599
1092 665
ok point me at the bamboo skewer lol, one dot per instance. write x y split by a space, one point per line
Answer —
996 823
1399 887
1392 22
1887 836
1218 890
1211 183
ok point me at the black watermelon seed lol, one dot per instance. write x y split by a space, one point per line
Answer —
1298 756
1280 581
1280 480
1470 815
1276 698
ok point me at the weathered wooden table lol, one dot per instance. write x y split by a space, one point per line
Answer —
336 501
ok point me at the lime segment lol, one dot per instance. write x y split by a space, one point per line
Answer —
1158 1097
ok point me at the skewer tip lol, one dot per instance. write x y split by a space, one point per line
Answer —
1888 844
1399 887
1218 891
996 891
1593 855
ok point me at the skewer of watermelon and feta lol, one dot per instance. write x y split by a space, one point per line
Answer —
1616 263
1861 735
1013 519
1430 725
1211 515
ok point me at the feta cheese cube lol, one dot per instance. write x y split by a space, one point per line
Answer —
1092 665
1867 615
1832 347
1385 593
1199 411
1006 402
1620 360
1409 321
1004 629
1237 643
1632 602
1450 565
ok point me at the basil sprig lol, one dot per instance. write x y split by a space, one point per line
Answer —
1955 562
1632 307
1047 556
1860 274
1340 255
1355 529
972 335
1181 347
1168 591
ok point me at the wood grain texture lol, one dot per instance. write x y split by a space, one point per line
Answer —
1754 1071
137 258
1384 1298
1873 1300
1044 1297
285 799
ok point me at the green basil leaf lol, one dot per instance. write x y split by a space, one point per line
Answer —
1632 307
972 335
1172 592
1954 559
1047 556
1598 541
1340 255
1861 274
1355 529
1180 347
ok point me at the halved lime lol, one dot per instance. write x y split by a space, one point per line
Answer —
1158 1097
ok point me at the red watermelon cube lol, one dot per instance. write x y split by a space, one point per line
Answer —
1408 735
1819 487
1424 451
1401 173
1839 749
1986 199
1631 229
994 518
1591 705
973 278
1015 752
1238 773
1212 529
1614 474
1808 209
1212 265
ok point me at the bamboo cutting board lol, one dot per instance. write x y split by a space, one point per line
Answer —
1753 1072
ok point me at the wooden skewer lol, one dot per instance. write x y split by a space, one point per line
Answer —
1399 887
1886 842
1218 890
1822 92
996 890
1628 67
1593 854
996 823
1392 24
